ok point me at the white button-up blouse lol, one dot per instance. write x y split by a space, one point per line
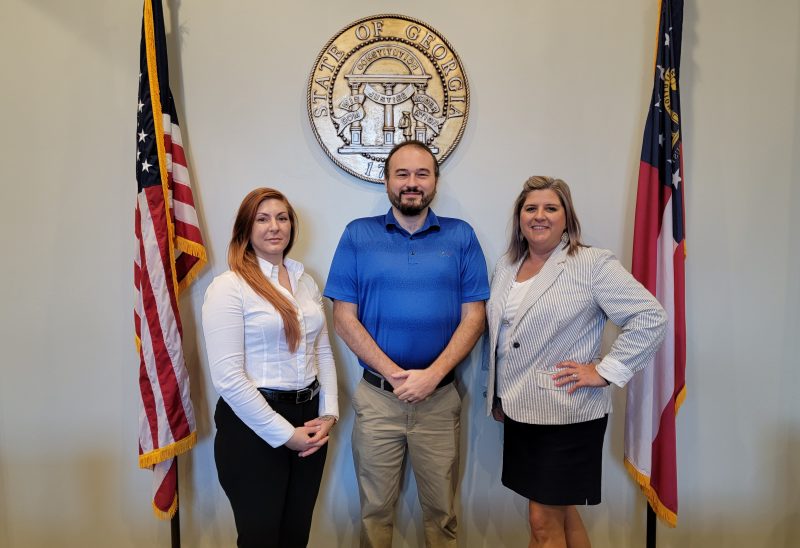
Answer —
247 348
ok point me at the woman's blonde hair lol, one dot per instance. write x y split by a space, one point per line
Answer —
518 246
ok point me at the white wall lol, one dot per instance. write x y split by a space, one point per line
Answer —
557 88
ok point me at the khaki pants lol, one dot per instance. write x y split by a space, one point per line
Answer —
384 429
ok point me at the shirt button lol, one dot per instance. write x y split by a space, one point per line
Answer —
506 322
515 345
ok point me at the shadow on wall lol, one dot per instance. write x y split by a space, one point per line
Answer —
85 506
496 513
87 28
5 497
204 508
338 506
785 531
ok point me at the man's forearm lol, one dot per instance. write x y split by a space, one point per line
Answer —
420 383
358 339
469 330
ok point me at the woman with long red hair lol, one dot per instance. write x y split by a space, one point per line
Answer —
271 363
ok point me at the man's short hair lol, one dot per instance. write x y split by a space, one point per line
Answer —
414 143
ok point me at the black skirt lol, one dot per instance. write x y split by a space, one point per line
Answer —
558 464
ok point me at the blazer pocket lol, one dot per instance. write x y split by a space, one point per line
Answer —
544 379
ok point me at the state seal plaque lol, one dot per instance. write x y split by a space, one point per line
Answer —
383 80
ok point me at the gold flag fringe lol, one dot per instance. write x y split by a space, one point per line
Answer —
170 513
664 514
679 399
158 122
195 250
174 449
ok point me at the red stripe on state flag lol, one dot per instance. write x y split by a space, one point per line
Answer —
651 199
650 443
664 473
658 254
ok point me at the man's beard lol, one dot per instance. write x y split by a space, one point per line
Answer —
411 209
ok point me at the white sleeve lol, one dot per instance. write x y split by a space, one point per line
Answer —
326 367
633 308
223 329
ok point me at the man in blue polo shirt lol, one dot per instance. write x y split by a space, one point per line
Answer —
408 291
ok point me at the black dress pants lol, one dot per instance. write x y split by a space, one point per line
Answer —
272 490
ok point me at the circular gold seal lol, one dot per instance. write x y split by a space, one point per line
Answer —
383 80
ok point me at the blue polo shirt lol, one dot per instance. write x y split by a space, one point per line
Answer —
409 287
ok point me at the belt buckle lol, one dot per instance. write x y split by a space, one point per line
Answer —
380 382
300 393
384 385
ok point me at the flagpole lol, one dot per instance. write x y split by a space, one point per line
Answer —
651 527
175 522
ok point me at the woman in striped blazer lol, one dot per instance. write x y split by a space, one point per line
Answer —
551 296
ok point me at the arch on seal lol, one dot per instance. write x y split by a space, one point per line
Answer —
399 53
383 89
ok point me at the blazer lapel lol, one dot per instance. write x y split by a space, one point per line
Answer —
551 270
503 278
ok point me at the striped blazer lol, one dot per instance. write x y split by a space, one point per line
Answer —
562 317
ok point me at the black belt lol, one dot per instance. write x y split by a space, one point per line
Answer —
291 396
376 380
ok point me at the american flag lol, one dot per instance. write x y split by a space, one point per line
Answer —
169 254
659 252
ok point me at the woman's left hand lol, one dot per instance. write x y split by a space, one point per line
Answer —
577 374
321 437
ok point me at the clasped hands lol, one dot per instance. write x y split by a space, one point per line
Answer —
307 439
414 385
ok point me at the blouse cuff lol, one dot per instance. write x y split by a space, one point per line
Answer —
329 405
279 433
614 371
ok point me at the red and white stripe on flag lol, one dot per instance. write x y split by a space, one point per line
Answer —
659 251
655 394
168 257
